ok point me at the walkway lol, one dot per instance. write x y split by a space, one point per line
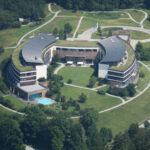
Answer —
59 68
77 27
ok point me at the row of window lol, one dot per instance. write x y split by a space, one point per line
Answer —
76 50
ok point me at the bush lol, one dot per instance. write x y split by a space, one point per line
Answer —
69 81
82 98
92 81
101 92
41 79
141 75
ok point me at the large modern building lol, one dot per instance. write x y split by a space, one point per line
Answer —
30 60
28 65
118 62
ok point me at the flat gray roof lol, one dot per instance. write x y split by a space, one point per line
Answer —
114 49
32 50
31 88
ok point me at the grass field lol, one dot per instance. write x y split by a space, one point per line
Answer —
78 75
121 118
137 15
139 35
147 63
106 15
143 82
146 45
94 100
89 22
10 37
59 23
18 104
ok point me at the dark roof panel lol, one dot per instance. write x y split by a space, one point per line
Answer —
114 49
33 48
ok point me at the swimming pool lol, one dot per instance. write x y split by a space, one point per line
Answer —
44 101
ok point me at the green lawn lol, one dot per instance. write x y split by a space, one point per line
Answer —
105 32
86 23
76 43
121 118
147 63
94 100
10 37
106 15
143 82
59 23
78 75
136 14
139 35
146 45
89 22
18 104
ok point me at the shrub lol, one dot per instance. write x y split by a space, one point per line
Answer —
101 92
82 98
41 79
69 81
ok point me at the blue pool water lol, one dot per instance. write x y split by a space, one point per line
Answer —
44 100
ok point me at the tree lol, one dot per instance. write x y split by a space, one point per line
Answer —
34 125
99 31
122 142
1 50
92 81
106 135
82 98
77 138
131 89
56 138
55 32
89 117
67 28
61 34
133 129
11 136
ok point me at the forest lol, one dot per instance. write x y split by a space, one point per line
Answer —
106 5
11 11
61 133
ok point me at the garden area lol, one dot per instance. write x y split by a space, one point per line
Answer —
78 75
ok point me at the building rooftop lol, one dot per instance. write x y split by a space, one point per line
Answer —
114 49
32 88
16 61
77 44
130 59
32 50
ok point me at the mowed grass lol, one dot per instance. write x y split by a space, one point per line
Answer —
143 81
136 14
120 119
94 100
10 37
78 75
18 104
89 22
59 23
146 45
139 35
106 15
